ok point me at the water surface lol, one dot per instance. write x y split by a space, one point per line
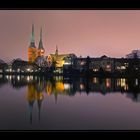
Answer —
58 103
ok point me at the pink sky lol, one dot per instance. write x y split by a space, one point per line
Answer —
84 32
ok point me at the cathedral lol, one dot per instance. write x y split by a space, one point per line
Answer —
36 55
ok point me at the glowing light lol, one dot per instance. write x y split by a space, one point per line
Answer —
136 82
28 69
66 86
59 86
18 77
118 82
123 84
66 63
108 83
42 51
82 86
95 80
108 66
10 77
7 77
123 67
95 70
18 70
31 77
28 78
82 63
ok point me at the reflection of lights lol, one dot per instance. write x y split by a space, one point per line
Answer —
123 84
108 66
58 78
95 80
10 77
126 87
136 82
108 83
59 86
82 86
66 86
95 70
28 78
31 77
118 68
18 70
118 82
7 77
1 75
28 69
123 67
35 77
49 88
18 77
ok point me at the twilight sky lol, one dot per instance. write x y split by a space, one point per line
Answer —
83 32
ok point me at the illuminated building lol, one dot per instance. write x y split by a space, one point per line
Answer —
62 59
32 50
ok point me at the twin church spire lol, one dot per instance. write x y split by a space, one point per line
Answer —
40 42
32 42
33 51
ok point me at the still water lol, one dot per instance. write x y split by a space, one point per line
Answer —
58 103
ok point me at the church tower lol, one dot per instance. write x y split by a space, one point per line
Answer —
56 51
41 50
32 51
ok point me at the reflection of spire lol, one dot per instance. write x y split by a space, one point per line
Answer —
39 102
31 99
31 109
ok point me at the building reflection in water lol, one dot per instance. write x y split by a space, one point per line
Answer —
37 87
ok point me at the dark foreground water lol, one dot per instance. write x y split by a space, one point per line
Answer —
58 103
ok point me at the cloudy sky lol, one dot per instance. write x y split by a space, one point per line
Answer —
114 33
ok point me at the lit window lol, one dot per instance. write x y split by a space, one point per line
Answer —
123 67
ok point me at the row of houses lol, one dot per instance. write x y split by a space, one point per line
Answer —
107 64
94 65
